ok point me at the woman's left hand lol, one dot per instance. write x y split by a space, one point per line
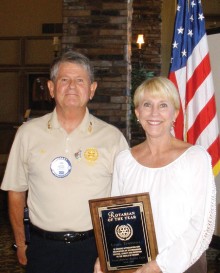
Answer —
150 267
97 267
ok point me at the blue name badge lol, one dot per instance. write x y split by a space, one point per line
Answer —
60 167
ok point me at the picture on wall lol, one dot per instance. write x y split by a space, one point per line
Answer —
39 96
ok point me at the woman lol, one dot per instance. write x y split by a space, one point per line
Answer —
178 177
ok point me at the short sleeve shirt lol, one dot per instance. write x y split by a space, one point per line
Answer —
61 171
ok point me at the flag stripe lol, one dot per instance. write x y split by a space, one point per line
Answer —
199 100
178 129
212 149
201 121
199 52
208 136
199 75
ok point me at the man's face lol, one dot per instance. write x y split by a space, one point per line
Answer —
72 87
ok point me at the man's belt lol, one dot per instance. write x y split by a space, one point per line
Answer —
67 237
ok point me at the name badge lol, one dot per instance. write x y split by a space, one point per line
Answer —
60 167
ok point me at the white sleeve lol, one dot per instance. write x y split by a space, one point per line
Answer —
188 247
117 179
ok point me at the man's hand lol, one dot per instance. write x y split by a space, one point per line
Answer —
17 202
21 254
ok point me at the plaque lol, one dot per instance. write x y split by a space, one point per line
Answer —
124 232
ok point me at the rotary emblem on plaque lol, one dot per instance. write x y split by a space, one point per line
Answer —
124 232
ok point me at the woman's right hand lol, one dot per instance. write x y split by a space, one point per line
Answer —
97 267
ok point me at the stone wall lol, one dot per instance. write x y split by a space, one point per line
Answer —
106 32
146 20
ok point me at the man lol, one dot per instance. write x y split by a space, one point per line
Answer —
58 162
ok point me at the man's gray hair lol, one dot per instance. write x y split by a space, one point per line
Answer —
72 57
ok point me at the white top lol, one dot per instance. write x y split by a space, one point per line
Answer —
63 171
182 197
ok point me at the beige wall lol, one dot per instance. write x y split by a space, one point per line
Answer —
168 16
215 60
25 17
20 57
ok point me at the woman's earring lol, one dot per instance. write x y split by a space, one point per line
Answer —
173 123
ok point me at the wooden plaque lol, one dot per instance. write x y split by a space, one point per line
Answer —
124 232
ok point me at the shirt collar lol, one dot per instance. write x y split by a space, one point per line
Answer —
86 124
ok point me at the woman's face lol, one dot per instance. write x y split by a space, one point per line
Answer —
156 115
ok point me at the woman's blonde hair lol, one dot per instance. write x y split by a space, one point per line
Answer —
158 87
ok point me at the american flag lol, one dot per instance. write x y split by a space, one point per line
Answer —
190 71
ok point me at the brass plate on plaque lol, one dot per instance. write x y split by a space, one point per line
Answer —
124 232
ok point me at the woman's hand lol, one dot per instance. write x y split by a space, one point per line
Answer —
97 267
150 267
